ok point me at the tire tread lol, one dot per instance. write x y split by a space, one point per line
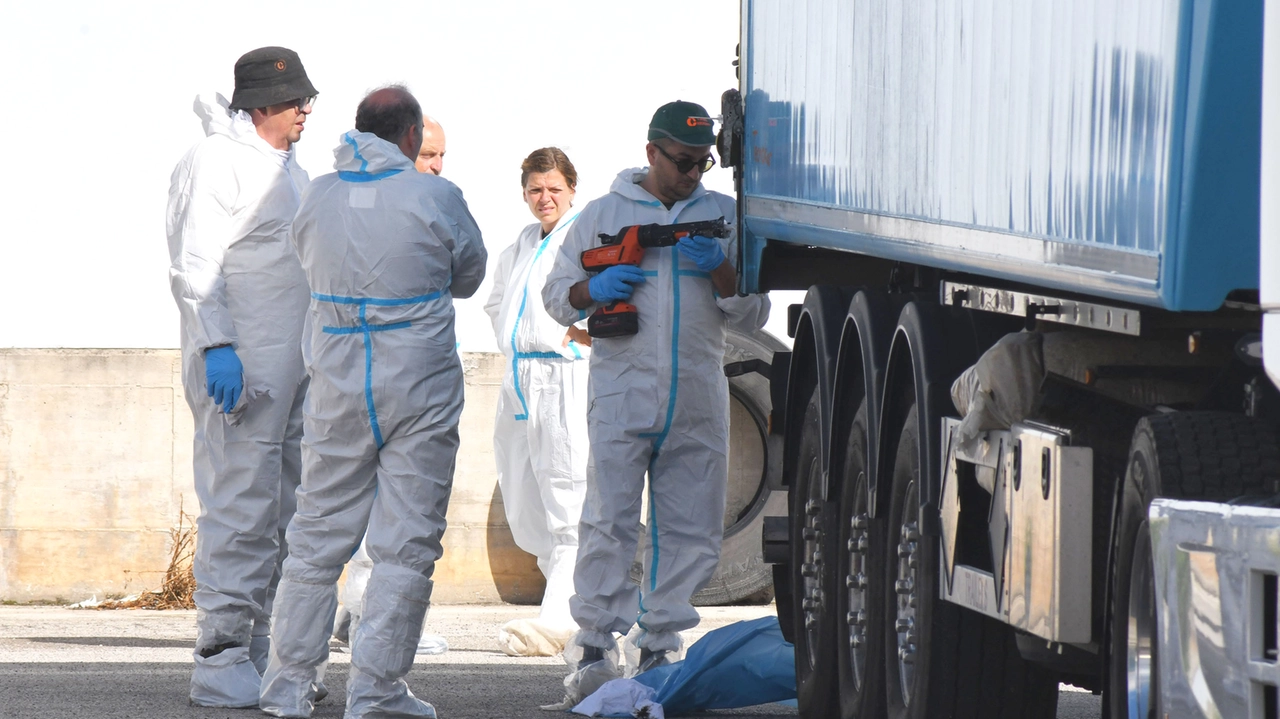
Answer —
1214 455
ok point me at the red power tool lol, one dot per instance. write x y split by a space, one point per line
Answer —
620 319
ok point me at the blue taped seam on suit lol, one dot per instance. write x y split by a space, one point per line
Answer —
366 330
516 356
661 436
377 301
368 380
573 346
347 138
347 176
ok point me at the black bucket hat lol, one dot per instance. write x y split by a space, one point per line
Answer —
269 76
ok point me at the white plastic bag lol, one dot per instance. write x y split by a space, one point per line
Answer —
1001 389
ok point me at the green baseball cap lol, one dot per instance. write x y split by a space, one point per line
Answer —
685 122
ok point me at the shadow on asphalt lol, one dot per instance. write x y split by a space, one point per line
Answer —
117 642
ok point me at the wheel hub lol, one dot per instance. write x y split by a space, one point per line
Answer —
905 588
812 571
856 582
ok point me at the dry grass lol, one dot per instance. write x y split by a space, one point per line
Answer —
179 583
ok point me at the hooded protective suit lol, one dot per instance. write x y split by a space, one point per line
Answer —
238 282
659 403
540 432
385 250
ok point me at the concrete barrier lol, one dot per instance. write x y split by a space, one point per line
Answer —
95 467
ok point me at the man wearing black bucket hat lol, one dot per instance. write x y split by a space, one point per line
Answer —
242 298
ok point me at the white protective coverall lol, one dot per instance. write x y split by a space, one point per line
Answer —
540 432
659 402
238 282
385 250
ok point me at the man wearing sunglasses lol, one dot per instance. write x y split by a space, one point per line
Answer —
242 299
659 402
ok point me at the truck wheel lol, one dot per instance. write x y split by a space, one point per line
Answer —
859 608
1182 455
941 660
812 572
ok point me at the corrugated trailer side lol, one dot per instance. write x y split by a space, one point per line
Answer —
1097 147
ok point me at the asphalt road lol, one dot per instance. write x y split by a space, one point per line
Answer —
58 662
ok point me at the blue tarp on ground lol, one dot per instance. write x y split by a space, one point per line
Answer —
743 664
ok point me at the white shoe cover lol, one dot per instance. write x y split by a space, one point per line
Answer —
300 648
321 690
227 679
342 625
384 644
533 638
393 699
583 682
670 642
432 644
259 652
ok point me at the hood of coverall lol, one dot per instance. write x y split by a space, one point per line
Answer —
366 153
217 119
627 184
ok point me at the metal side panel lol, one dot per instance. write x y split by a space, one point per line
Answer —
1216 569
1040 529
1051 537
970 587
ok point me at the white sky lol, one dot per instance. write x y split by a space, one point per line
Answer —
98 112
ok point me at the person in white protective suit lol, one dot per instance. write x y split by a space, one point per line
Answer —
242 299
385 250
430 159
540 430
659 402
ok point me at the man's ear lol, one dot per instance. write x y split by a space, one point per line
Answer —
412 143
651 152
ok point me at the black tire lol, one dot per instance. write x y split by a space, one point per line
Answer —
1182 455
742 577
812 574
859 608
960 664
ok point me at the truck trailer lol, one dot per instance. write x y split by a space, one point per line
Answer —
1026 429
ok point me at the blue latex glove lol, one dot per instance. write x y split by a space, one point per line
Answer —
615 283
704 251
224 376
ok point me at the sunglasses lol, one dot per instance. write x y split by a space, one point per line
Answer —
305 103
683 166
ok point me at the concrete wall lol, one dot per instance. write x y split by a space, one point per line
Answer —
95 468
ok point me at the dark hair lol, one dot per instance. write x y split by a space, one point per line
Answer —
546 160
388 115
